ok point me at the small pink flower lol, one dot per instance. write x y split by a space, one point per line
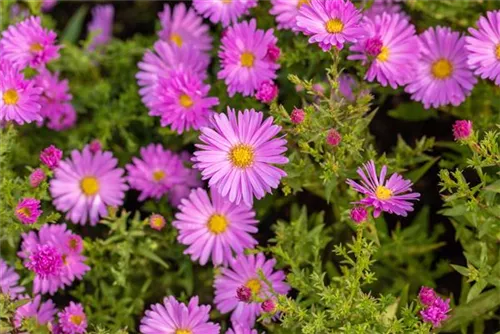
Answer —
427 296
51 156
359 214
157 222
462 129
297 116
437 312
72 320
333 137
46 261
267 92
273 52
37 177
28 210
268 306
95 146
244 294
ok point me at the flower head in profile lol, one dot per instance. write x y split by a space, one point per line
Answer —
155 172
179 318
462 129
379 7
484 47
101 25
330 23
389 47
239 329
244 271
243 55
238 154
392 195
182 26
223 11
28 210
43 313
442 75
9 281
214 227
72 320
286 12
85 184
27 43
51 156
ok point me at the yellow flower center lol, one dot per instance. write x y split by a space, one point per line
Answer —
241 155
10 96
384 54
302 2
497 52
226 2
89 185
65 259
24 211
254 285
158 175
176 38
442 69
76 319
157 222
247 59
36 47
217 224
334 26
383 193
183 331
185 101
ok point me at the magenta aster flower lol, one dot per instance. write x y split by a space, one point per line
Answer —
437 312
37 177
156 172
28 210
9 281
157 222
427 296
86 184
333 137
297 116
442 75
484 47
238 153
175 317
183 26
191 181
239 329
54 254
214 228
51 156
392 196
182 101
101 25
348 88
72 320
243 55
330 23
267 92
224 11
462 129
243 270
43 313
286 12
28 44
358 214
389 46
19 98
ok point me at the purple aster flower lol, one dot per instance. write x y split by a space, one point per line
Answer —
54 254
333 137
392 196
156 172
437 312
9 281
28 210
297 116
37 177
379 7
182 101
427 296
347 87
157 222
286 12
214 227
47 5
238 153
267 92
51 156
358 214
175 317
63 118
484 47
243 55
224 11
19 98
101 25
244 270
43 313
28 44
239 329
330 23
86 184
72 320
442 75
462 129
183 26
389 46
191 181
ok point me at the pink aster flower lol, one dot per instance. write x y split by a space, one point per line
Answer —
63 118
224 11
442 75
484 47
51 156
214 227
462 129
243 270
267 92
238 153
330 23
28 44
297 116
427 296
175 317
54 254
333 137
392 196
437 312
37 177
389 46
101 25
157 222
358 214
19 98
239 329
28 210
86 184
156 172
183 26
9 281
182 101
243 55
72 320
43 313
348 88
379 7
286 12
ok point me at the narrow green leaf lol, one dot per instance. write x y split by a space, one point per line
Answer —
461 269
476 289
73 29
152 256
416 174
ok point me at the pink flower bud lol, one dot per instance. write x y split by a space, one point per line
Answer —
297 116
267 92
51 156
244 294
157 222
427 296
268 306
273 52
333 137
37 177
462 129
359 214
95 146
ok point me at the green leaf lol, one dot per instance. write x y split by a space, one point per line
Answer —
476 289
494 187
152 256
74 27
412 112
458 210
416 174
461 269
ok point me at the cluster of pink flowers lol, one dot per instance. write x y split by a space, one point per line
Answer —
435 309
